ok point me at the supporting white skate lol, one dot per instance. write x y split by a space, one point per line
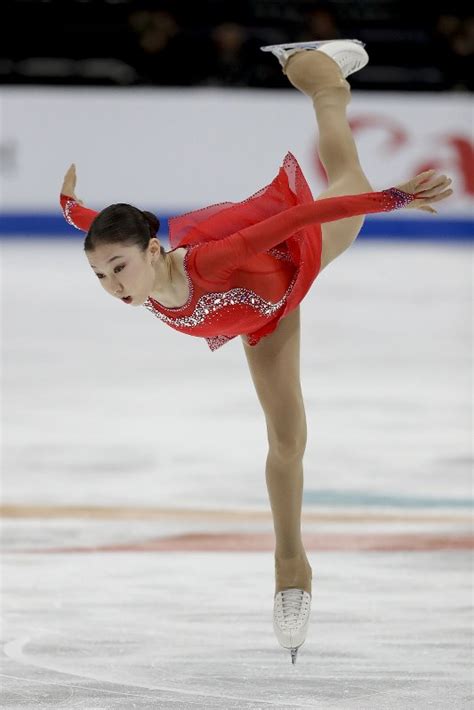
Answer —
349 54
291 612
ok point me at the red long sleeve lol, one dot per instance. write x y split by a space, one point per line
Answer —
217 260
76 214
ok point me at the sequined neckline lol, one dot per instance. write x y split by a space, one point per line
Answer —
190 285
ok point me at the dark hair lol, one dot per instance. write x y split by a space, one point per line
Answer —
122 224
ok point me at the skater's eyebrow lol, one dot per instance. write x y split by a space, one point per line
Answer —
112 259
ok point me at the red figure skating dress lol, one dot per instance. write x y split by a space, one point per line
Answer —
250 263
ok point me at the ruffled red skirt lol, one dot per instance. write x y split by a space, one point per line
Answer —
289 188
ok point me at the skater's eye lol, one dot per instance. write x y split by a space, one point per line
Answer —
116 271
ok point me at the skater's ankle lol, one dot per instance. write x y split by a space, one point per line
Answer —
293 572
296 553
294 579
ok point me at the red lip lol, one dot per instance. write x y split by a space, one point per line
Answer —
127 299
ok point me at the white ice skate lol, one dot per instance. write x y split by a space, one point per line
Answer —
349 54
291 611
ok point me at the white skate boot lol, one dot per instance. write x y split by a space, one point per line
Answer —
349 54
291 611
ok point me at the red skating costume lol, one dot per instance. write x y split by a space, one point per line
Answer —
250 263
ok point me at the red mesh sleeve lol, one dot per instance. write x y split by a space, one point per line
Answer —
218 259
76 214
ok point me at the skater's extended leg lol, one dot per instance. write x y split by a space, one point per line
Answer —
339 156
320 78
336 146
275 368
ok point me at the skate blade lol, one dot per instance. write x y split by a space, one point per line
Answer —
307 45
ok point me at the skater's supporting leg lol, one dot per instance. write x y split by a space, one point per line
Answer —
275 368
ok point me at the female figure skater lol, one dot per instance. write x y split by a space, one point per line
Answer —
244 268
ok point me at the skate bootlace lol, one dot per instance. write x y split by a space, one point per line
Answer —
293 602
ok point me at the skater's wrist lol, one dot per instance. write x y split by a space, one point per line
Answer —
399 198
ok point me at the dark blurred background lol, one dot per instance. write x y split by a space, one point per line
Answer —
413 46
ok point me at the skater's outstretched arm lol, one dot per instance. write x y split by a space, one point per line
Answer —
73 208
220 258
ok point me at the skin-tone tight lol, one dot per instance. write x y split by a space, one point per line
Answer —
275 362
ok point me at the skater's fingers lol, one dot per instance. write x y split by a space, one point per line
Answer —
434 189
427 200
423 203
432 181
424 177
441 196
421 182
69 182
71 171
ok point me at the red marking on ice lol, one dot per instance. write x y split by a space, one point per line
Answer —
265 542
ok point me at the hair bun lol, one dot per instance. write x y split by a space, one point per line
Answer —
153 222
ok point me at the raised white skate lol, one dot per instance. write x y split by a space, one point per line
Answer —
291 612
349 54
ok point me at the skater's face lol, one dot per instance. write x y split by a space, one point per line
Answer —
125 271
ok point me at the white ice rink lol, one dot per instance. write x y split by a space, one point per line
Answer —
137 538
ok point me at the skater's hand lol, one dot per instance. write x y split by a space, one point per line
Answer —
428 188
69 184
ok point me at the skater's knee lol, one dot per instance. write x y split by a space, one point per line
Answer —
288 435
332 97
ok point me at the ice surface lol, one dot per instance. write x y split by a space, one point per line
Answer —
137 540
